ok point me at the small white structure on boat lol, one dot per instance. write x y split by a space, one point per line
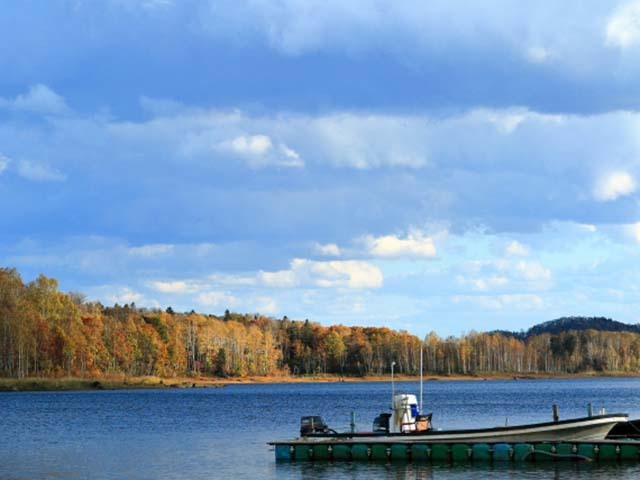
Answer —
406 417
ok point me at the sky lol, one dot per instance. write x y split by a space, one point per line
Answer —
440 166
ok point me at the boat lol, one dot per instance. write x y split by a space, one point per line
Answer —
406 425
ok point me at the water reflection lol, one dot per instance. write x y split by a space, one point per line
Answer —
355 470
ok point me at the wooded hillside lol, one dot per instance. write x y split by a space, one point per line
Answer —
48 333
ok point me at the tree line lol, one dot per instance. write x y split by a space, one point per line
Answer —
48 333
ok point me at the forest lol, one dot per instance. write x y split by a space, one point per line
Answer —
48 333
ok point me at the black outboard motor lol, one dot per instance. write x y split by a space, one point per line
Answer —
312 424
381 423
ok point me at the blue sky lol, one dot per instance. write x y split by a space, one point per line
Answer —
447 166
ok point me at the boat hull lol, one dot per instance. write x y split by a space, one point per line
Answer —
579 429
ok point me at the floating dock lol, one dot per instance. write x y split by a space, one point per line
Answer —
458 453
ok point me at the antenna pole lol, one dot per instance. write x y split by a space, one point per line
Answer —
393 387
421 412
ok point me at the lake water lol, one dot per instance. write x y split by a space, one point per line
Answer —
223 432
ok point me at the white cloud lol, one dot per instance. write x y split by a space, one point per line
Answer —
39 172
369 141
348 273
4 163
264 305
39 99
171 287
614 185
233 280
291 157
587 227
537 54
252 145
149 6
31 171
328 250
415 245
260 151
125 295
281 279
309 273
532 271
623 27
484 283
516 249
634 231
483 275
216 299
507 121
151 250
502 302
332 274
157 3
161 106
409 30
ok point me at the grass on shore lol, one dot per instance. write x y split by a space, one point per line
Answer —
121 383
130 383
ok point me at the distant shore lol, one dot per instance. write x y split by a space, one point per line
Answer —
132 383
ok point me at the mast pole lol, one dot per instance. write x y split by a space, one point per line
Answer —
393 387
421 412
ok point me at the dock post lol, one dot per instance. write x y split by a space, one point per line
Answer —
555 413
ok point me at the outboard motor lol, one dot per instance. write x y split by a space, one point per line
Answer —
405 411
381 423
312 424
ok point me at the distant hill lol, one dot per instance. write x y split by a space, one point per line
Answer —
565 324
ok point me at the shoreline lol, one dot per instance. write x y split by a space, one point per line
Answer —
138 383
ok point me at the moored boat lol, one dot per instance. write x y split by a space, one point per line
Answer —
406 425
577 429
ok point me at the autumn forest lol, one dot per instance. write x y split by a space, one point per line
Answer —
48 333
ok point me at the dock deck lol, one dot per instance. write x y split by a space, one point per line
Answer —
456 453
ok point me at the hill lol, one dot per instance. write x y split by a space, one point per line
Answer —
566 324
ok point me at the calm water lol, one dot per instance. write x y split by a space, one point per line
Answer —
222 433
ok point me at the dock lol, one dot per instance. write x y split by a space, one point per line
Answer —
605 451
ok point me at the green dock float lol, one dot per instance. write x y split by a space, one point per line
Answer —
522 451
481 452
440 453
420 453
359 452
502 452
301 452
321 452
380 452
341 452
400 452
566 450
629 452
544 452
587 450
607 453
459 453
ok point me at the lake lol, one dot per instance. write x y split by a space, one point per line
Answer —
217 433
